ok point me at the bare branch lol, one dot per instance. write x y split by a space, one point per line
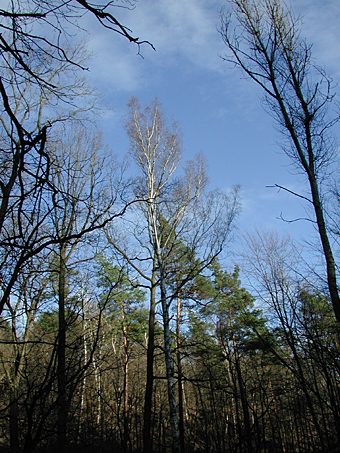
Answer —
291 192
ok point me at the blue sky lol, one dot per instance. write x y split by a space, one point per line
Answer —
220 114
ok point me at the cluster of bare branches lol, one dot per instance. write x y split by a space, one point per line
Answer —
264 41
38 70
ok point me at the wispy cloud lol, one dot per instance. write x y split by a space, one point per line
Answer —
320 26
184 34
183 29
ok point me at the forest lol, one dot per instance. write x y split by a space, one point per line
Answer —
122 326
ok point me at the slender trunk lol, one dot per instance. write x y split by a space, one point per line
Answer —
126 391
180 376
169 367
308 164
307 392
147 438
97 378
61 371
21 355
83 384
13 408
244 401
14 422
327 250
235 408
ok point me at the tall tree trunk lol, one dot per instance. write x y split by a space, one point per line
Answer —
61 370
180 376
98 382
13 394
126 391
14 422
244 400
169 367
147 438
327 250
82 412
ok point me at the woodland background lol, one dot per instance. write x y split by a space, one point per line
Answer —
123 326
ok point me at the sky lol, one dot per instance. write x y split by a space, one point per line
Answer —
219 112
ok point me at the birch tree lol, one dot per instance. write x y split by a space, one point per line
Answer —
174 209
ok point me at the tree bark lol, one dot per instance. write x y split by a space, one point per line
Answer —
180 377
61 371
126 389
244 400
169 367
147 437
14 422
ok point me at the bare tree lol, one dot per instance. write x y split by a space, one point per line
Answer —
36 56
35 196
176 210
308 354
35 36
20 316
58 221
81 200
265 43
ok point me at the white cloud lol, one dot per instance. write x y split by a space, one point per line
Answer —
182 29
110 66
184 34
320 26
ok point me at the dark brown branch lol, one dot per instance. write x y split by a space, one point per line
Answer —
110 22
291 192
296 220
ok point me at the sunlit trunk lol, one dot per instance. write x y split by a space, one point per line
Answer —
180 376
